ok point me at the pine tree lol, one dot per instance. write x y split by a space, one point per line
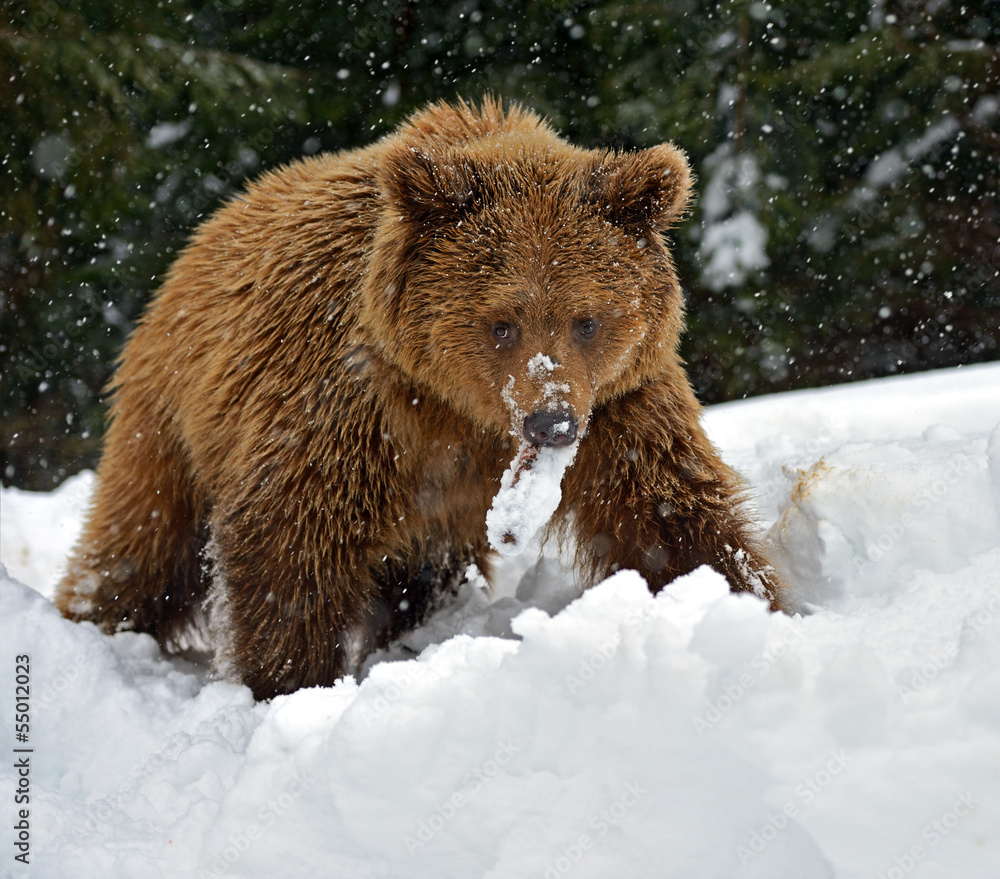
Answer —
848 218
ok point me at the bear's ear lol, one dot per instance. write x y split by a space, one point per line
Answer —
643 191
427 187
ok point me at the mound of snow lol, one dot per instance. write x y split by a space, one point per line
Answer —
545 733
927 505
38 529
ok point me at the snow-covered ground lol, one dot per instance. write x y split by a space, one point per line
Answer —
542 734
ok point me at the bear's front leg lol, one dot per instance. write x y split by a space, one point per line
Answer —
649 492
285 601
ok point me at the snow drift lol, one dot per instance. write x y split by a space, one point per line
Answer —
543 733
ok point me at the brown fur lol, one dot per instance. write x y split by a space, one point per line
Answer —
314 413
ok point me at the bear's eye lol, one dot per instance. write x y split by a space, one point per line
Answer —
585 329
504 333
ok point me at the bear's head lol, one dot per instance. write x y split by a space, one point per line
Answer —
523 280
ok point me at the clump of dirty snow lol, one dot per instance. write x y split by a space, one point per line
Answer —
530 491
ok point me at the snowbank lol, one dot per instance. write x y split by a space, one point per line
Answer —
612 734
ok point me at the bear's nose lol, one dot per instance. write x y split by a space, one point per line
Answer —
550 428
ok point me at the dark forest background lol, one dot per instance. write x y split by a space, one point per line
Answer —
848 155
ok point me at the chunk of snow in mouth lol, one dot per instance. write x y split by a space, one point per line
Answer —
530 491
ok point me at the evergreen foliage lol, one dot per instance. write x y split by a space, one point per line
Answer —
847 151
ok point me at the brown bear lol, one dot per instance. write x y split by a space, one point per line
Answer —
313 416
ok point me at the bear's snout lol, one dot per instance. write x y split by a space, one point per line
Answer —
550 428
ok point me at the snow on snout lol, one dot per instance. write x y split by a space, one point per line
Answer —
553 392
540 366
531 487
